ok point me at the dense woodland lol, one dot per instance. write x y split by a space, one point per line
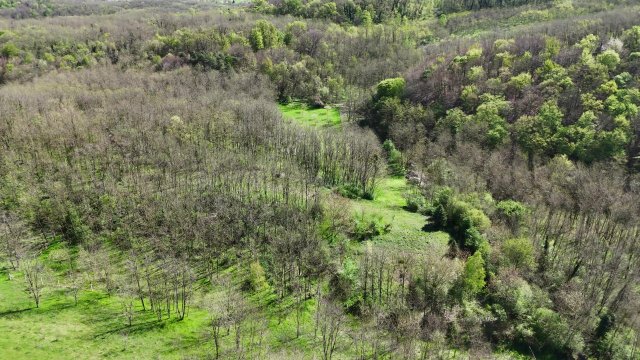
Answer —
153 190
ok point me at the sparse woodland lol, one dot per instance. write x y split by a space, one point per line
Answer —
479 196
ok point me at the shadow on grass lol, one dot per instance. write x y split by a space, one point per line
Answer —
13 313
431 227
138 328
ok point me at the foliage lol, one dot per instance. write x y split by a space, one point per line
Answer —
390 88
395 159
460 219
519 252
473 276
513 213
368 227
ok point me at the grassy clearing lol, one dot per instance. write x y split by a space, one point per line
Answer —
406 227
95 328
389 202
303 114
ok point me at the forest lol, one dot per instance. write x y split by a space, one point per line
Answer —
317 179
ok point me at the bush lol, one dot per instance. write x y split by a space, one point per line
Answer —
353 191
393 87
10 50
368 227
344 287
551 333
473 275
256 279
415 202
460 219
513 213
73 227
519 253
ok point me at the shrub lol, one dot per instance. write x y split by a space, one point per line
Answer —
10 50
256 279
368 227
460 219
415 202
73 227
393 87
551 332
473 275
353 191
343 287
513 213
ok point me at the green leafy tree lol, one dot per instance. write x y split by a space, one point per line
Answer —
513 213
519 252
489 114
609 58
538 134
264 35
631 39
454 120
256 40
473 276
393 87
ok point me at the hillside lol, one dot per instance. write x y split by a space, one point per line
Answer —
439 179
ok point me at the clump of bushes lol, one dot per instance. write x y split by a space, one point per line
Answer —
256 279
353 191
366 227
512 213
461 219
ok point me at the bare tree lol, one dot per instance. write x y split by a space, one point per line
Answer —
331 320
35 276
75 284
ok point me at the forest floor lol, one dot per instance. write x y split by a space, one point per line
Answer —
96 328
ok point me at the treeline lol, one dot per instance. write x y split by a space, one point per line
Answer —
303 59
360 12
451 6
37 9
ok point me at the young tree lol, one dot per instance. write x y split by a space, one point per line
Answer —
473 276
75 284
35 276
13 237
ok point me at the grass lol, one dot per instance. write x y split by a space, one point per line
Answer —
95 328
406 227
301 113
92 329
